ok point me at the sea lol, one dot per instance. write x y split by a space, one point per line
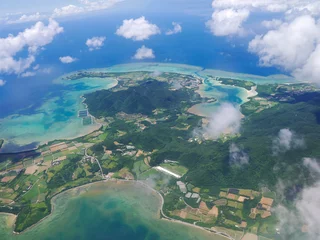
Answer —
111 210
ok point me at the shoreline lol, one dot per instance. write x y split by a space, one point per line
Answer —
142 183
135 67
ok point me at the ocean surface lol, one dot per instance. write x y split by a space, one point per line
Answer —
110 210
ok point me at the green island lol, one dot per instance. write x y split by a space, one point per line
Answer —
147 134
235 82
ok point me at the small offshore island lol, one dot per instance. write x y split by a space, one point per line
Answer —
146 136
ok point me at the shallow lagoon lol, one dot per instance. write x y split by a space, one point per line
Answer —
122 210
56 117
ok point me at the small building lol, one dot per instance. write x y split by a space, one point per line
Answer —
182 186
83 113
130 147
195 195
188 195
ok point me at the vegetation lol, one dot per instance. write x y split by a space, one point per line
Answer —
142 99
239 83
147 124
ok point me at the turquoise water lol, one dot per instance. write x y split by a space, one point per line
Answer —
56 117
107 211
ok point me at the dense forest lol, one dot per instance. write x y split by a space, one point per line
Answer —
141 99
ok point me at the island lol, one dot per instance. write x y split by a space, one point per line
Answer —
147 135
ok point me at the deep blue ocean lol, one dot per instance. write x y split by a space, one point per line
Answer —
194 46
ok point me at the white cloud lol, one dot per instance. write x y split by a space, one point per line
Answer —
307 207
272 24
228 22
286 140
237 157
85 6
28 74
137 29
67 59
67 10
143 53
95 43
27 18
36 70
98 5
312 6
311 69
2 82
283 46
225 120
33 39
176 29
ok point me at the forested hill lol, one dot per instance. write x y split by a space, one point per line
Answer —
141 99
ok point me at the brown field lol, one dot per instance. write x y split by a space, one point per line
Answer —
203 206
221 202
214 211
232 196
58 147
196 189
183 214
223 194
265 214
61 158
5 200
72 148
246 192
31 170
250 236
266 201
232 204
8 179
241 199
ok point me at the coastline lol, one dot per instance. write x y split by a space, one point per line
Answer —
142 183
149 67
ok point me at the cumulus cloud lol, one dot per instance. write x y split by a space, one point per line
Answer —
95 43
307 206
137 29
225 120
286 140
28 74
143 53
36 70
282 47
298 27
271 24
237 157
176 29
279 6
85 6
67 10
156 73
33 39
67 59
2 82
228 22
27 18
